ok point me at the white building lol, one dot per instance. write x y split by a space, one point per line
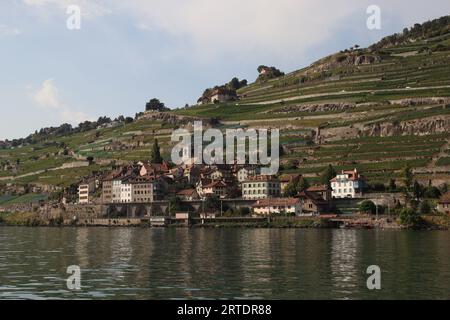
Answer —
261 187
126 192
347 184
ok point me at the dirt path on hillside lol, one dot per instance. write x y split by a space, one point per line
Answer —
340 93
40 172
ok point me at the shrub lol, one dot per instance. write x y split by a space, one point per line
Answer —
409 217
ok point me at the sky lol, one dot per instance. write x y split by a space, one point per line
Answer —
127 52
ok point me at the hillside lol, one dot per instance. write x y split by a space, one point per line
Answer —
376 109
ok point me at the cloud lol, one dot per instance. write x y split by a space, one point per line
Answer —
236 26
47 97
8 31
282 28
89 8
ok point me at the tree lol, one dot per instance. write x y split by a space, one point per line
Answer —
392 185
367 207
407 177
327 175
418 190
155 105
90 159
425 207
291 189
432 192
212 203
409 217
156 153
175 204
302 184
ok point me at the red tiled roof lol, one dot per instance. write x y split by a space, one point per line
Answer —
314 197
216 184
289 177
321 188
187 192
261 178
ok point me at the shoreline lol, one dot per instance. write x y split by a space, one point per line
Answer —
428 223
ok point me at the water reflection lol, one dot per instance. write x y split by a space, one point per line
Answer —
344 264
224 263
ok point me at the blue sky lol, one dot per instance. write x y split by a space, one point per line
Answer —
127 52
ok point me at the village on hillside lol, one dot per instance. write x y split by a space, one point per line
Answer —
238 191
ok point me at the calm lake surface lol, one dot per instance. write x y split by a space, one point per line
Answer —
222 263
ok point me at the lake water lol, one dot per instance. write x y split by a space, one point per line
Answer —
222 263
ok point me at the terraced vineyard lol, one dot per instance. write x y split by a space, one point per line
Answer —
376 116
374 109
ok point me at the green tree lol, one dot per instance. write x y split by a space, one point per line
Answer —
175 204
409 217
90 159
407 177
156 153
425 207
367 207
327 175
417 190
432 192
155 105
302 184
392 185
212 203
291 189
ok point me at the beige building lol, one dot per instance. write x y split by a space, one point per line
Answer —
144 190
85 190
217 188
107 187
261 187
